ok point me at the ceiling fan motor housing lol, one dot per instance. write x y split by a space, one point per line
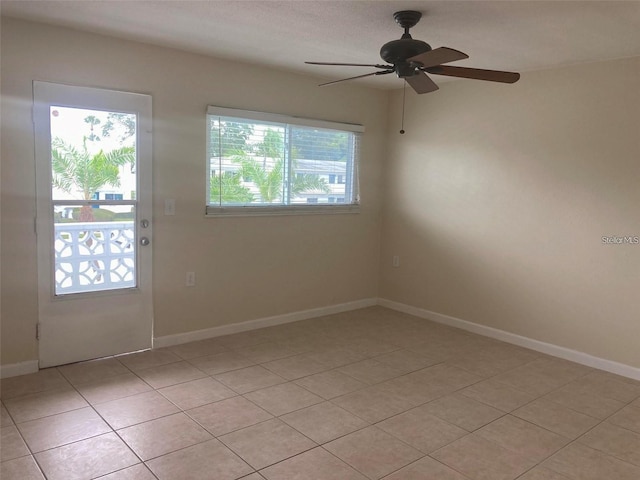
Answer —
396 52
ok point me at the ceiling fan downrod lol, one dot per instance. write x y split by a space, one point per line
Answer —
407 19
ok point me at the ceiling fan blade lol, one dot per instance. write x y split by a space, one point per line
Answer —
357 76
475 73
438 56
421 83
376 65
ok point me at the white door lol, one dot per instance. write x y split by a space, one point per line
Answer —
93 179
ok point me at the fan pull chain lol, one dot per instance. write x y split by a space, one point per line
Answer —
404 93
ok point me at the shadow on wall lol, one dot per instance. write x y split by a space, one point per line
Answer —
499 218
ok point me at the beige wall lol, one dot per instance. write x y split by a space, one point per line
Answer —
246 268
497 199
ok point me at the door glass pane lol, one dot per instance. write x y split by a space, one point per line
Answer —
93 155
93 158
95 255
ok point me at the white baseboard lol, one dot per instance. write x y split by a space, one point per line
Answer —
31 366
543 347
21 368
179 338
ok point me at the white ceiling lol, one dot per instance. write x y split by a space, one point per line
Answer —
503 35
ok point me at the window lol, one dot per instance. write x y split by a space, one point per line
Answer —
261 163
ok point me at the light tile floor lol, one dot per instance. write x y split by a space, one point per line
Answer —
366 394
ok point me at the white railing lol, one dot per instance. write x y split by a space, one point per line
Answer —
93 256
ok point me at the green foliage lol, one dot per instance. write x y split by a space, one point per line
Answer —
102 214
270 182
236 137
233 139
312 144
79 170
122 216
306 182
272 145
125 123
99 215
226 189
76 169
92 121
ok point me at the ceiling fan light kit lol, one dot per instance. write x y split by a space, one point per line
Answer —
412 59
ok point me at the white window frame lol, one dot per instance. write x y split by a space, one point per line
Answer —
297 209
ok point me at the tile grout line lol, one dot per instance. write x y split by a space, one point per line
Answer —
482 378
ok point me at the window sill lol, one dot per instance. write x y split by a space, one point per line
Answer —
255 211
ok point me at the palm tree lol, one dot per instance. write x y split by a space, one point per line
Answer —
270 183
306 182
226 188
76 169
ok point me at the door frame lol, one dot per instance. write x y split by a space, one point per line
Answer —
62 319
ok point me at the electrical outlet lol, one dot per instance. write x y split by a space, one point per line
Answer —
191 279
396 261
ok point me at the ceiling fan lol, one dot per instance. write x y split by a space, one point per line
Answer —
412 59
